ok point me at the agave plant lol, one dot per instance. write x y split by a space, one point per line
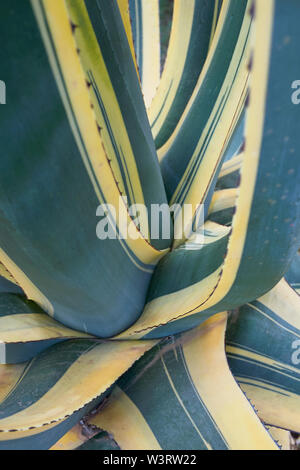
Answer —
174 341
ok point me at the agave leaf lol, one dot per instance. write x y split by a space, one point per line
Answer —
267 210
229 176
125 15
263 350
192 29
62 172
181 395
281 436
25 330
236 141
7 275
222 206
146 37
53 385
9 287
193 154
293 274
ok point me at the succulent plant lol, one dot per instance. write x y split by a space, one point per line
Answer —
149 224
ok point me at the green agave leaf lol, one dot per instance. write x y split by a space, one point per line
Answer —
54 176
146 37
192 156
25 330
237 138
263 351
124 8
181 395
222 206
191 35
293 274
41 394
229 176
101 441
98 38
84 436
9 287
43 438
267 210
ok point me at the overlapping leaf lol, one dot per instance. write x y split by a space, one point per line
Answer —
263 350
267 208
83 139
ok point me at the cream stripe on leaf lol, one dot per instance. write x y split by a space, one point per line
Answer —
118 105
53 387
204 109
202 136
54 176
237 138
102 441
281 436
145 24
6 274
193 24
222 206
125 15
85 436
263 350
181 276
229 176
267 210
184 393
25 330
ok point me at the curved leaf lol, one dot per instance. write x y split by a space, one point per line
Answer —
263 351
146 36
267 209
181 395
51 188
53 386
25 330
193 26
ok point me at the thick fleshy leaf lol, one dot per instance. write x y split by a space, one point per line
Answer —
25 330
263 350
181 395
193 155
281 436
293 274
125 15
267 212
146 37
62 380
9 287
63 165
229 176
193 26
101 441
223 205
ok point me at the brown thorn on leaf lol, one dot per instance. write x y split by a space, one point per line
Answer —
73 26
250 63
247 100
243 146
252 9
